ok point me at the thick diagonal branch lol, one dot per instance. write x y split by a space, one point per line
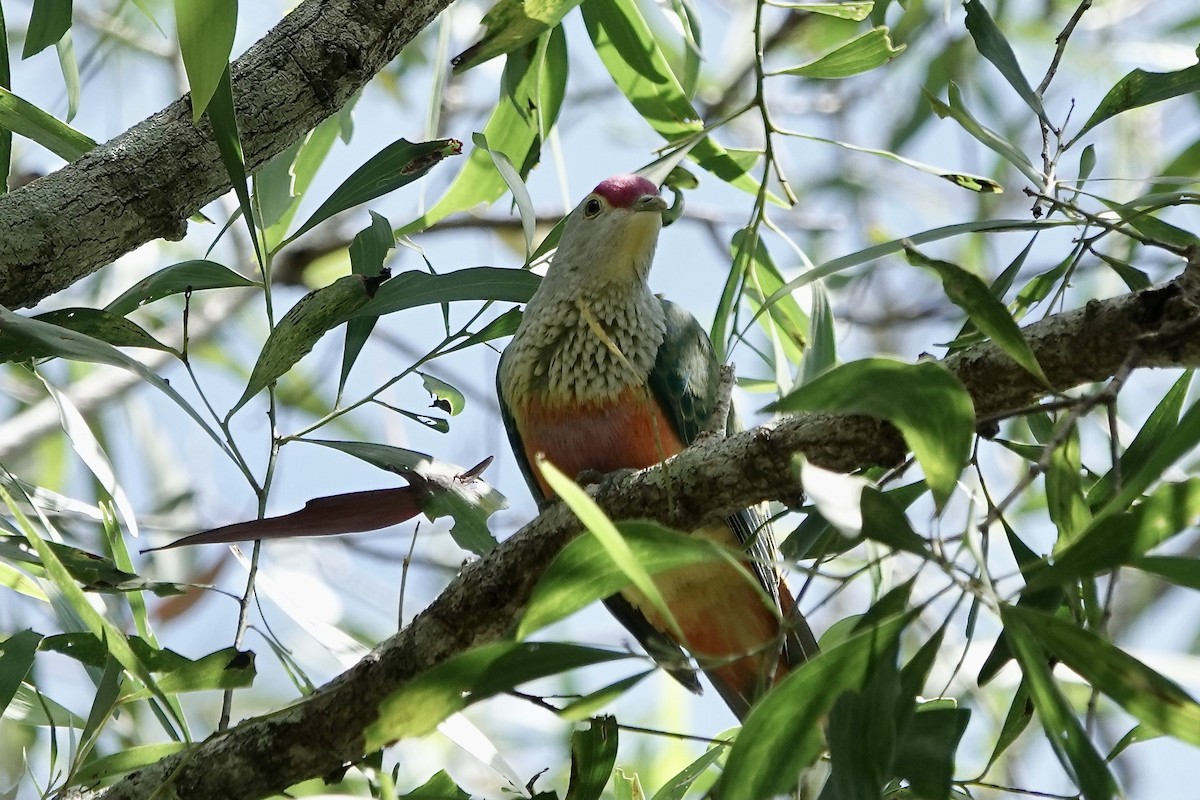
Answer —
325 731
144 184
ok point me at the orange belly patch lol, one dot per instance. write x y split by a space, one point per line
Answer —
628 431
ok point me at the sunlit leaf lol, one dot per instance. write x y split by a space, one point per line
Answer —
930 407
125 760
857 11
531 80
861 54
510 24
520 192
446 397
629 51
25 119
205 29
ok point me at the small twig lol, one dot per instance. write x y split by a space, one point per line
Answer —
719 419
1081 407
1061 45
404 576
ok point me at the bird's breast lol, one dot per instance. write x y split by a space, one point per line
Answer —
625 431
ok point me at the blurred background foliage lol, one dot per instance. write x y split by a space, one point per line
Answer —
1033 155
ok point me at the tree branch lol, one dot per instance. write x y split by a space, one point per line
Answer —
144 184
324 732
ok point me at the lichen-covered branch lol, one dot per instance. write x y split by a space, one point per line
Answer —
144 184
322 733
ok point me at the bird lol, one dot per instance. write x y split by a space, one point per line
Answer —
603 375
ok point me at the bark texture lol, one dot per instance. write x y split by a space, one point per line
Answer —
1160 327
144 184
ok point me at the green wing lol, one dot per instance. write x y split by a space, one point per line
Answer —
685 381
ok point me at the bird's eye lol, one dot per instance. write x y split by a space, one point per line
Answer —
592 208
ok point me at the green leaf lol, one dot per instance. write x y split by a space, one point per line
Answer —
606 533
17 652
186 276
417 708
763 279
1140 88
1064 491
781 735
861 54
996 49
1066 735
398 164
641 71
205 29
957 111
93 322
520 192
225 132
1178 570
25 119
593 754
79 347
510 24
1020 714
588 705
113 642
857 11
821 353
413 288
1146 695
928 404
93 573
302 326
49 22
531 91
584 571
368 251
676 788
125 760
65 47
5 133
504 325
285 180
447 398
1116 539
440 786
972 295
925 753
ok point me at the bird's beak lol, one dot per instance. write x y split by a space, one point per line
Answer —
650 202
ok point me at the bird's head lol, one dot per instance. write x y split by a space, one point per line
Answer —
610 236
